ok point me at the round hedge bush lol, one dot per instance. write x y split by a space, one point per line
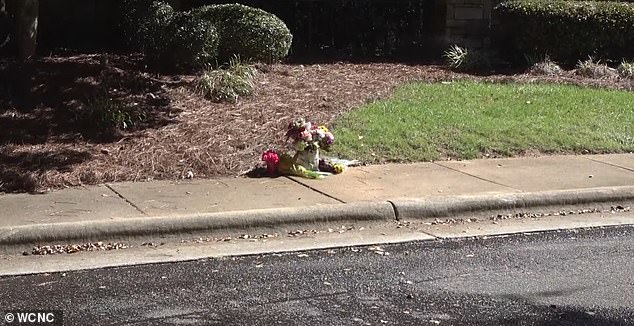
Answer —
194 42
132 13
155 34
135 20
250 33
177 40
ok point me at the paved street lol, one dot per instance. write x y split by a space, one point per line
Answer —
555 278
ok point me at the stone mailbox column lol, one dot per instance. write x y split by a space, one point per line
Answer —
468 22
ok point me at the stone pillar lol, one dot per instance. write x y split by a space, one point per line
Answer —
468 22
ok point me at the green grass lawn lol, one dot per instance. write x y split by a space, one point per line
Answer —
464 120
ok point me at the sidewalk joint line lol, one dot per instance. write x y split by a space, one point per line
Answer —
477 177
610 164
394 209
126 200
316 190
435 237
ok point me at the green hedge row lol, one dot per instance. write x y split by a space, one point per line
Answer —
206 35
628 1
566 30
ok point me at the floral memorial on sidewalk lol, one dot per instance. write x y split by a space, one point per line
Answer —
309 141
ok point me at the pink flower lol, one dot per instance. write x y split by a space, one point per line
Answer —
306 135
272 160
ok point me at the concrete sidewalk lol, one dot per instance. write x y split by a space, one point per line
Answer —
167 206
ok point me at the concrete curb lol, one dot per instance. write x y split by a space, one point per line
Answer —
170 225
241 221
448 206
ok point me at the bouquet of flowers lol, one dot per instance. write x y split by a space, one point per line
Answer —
307 139
307 136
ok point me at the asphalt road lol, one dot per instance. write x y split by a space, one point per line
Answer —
556 278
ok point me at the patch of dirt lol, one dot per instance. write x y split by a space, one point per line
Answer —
45 142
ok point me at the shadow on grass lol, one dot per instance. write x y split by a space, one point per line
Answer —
57 99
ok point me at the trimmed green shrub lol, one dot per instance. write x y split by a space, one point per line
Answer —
194 39
154 32
133 15
630 1
176 40
566 30
250 33
194 42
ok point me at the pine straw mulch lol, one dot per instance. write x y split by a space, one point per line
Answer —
43 143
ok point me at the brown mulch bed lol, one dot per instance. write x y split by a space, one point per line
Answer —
44 143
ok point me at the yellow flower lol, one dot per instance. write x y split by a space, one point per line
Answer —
338 168
323 128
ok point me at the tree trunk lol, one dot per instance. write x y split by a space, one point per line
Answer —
27 12
5 25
